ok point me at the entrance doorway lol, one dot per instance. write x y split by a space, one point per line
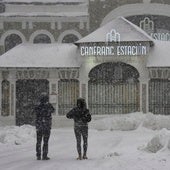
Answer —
27 97
113 88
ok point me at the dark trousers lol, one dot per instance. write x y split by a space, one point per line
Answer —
81 131
42 135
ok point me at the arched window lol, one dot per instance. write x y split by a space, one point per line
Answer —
2 7
114 72
5 97
70 38
42 38
12 41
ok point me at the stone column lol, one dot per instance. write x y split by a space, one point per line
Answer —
13 97
0 96
144 106
57 97
84 90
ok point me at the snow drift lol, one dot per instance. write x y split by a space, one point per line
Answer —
159 142
131 122
17 135
123 122
127 141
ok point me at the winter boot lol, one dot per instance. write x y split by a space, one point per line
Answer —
79 157
45 158
85 157
38 157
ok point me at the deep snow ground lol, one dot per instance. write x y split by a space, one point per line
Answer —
140 148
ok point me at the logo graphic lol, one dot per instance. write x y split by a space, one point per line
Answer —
147 25
113 36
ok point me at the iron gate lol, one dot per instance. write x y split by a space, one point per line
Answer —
159 96
113 98
68 92
113 88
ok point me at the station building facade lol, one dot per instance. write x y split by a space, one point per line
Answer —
112 83
115 76
40 21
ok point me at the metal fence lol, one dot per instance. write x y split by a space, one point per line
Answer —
159 96
68 92
111 98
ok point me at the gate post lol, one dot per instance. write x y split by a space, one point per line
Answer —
84 91
12 97
147 96
0 96
143 97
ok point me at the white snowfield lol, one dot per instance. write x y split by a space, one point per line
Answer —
133 141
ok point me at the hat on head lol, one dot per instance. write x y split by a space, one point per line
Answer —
81 103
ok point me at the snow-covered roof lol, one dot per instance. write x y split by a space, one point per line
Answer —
127 30
41 55
44 14
52 8
44 1
159 55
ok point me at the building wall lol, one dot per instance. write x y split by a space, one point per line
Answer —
135 11
28 34
99 11
17 92
54 20
28 27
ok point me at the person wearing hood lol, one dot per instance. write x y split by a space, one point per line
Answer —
81 116
43 124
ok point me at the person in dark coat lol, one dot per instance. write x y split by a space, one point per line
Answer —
81 116
43 124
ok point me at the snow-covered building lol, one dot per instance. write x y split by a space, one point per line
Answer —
152 16
125 74
118 68
56 21
42 21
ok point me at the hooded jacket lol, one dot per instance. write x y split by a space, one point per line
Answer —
44 114
80 113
